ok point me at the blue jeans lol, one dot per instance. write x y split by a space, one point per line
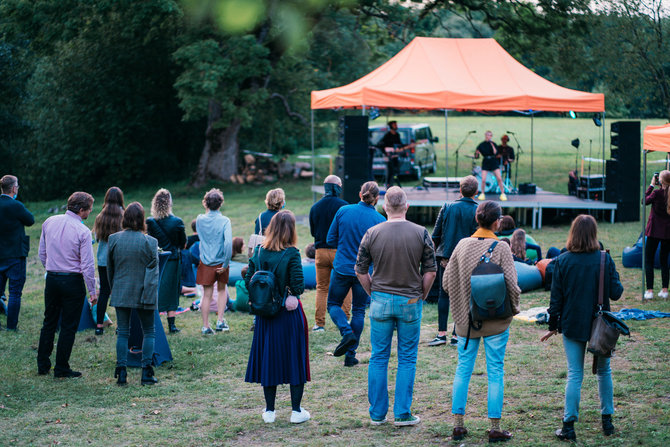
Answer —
389 312
123 322
14 270
574 352
337 292
494 347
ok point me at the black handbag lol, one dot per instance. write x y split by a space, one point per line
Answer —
606 328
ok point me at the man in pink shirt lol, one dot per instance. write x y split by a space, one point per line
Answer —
66 252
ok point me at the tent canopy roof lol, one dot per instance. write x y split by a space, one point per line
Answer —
459 74
657 138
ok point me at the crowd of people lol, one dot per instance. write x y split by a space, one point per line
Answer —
364 260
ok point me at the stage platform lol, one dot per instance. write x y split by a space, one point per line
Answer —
436 197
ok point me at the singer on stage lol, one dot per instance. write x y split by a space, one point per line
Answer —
505 153
489 151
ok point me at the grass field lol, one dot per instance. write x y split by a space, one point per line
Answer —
201 398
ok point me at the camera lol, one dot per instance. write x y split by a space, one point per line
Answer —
656 179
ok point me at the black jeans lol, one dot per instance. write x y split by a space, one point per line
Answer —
103 297
650 253
442 303
64 297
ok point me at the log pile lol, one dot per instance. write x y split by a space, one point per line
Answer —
262 168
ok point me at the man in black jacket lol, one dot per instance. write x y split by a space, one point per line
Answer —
320 217
454 222
14 246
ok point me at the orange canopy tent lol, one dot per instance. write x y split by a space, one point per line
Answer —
657 138
457 74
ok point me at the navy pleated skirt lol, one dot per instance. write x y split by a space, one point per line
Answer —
279 350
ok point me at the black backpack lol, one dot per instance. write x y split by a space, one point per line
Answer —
265 298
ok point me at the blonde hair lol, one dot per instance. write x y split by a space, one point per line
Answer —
583 235
274 199
664 177
281 234
161 204
518 243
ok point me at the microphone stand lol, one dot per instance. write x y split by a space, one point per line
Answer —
456 153
519 151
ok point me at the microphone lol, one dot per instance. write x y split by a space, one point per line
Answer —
509 131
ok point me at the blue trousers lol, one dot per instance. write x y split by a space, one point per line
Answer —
337 292
14 271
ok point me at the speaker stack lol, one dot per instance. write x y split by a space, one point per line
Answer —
353 162
623 170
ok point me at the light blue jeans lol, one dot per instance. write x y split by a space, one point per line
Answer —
494 347
574 352
388 313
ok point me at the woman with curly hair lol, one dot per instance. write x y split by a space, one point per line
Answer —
275 200
171 235
106 223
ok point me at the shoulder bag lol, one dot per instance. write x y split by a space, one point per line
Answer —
606 328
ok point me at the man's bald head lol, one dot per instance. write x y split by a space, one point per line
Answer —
333 179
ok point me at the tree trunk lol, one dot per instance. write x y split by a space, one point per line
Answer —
219 158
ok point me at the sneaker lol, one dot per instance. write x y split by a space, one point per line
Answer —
503 197
378 421
410 420
663 294
222 326
438 340
206 331
350 361
347 342
300 417
318 328
268 416
453 341
648 295
481 196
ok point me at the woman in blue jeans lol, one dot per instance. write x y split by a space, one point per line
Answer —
574 303
494 333
132 269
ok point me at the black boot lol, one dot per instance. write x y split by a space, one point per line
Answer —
173 329
608 427
121 374
567 433
148 376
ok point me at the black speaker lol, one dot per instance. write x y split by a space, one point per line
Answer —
625 142
623 188
354 149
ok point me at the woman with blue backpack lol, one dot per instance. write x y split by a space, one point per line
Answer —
279 350
482 285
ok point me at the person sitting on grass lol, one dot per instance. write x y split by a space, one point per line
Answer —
216 246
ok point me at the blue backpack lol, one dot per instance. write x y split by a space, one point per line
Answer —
488 292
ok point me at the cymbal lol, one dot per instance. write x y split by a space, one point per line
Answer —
470 156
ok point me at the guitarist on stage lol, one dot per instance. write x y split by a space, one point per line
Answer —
392 145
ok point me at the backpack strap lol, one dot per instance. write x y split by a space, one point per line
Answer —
486 257
275 266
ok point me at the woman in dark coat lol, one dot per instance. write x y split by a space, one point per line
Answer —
574 303
171 236
132 269
279 352
658 232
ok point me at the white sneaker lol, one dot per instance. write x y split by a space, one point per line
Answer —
663 294
268 417
648 295
300 417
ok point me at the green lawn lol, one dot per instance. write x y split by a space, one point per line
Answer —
202 399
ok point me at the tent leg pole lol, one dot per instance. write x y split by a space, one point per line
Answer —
644 218
603 157
313 164
446 153
532 129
